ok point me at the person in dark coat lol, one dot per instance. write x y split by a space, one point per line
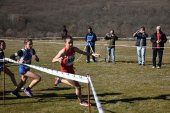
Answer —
158 40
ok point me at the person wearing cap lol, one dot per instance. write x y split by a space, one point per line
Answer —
90 39
158 40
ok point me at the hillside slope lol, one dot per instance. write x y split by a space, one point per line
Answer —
39 18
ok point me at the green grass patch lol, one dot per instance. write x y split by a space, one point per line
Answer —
123 87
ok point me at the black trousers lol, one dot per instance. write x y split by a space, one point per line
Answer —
160 55
88 50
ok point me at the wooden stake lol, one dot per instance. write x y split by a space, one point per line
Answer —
88 91
4 83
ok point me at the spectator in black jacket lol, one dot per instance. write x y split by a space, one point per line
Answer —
64 32
158 39
141 36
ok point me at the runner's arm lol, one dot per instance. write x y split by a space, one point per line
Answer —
35 57
58 57
85 53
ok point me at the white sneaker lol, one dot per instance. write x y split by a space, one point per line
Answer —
153 67
158 67
22 88
84 103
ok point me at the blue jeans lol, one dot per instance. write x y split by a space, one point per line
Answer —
111 53
141 54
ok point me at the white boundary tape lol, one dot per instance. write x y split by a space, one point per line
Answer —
137 46
64 75
131 46
75 77
104 44
99 107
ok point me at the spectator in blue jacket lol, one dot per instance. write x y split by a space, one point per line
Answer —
90 43
141 36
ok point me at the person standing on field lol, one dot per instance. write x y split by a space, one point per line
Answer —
141 36
64 32
111 38
90 39
158 40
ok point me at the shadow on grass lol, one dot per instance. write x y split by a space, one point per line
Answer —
55 89
71 95
131 62
100 95
6 92
52 97
56 96
14 98
107 94
131 100
43 95
40 98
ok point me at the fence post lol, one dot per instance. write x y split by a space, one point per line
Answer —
88 91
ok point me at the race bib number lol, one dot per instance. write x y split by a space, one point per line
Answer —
70 60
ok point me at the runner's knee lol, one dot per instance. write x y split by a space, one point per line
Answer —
78 86
38 78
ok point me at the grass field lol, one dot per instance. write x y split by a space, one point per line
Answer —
122 88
